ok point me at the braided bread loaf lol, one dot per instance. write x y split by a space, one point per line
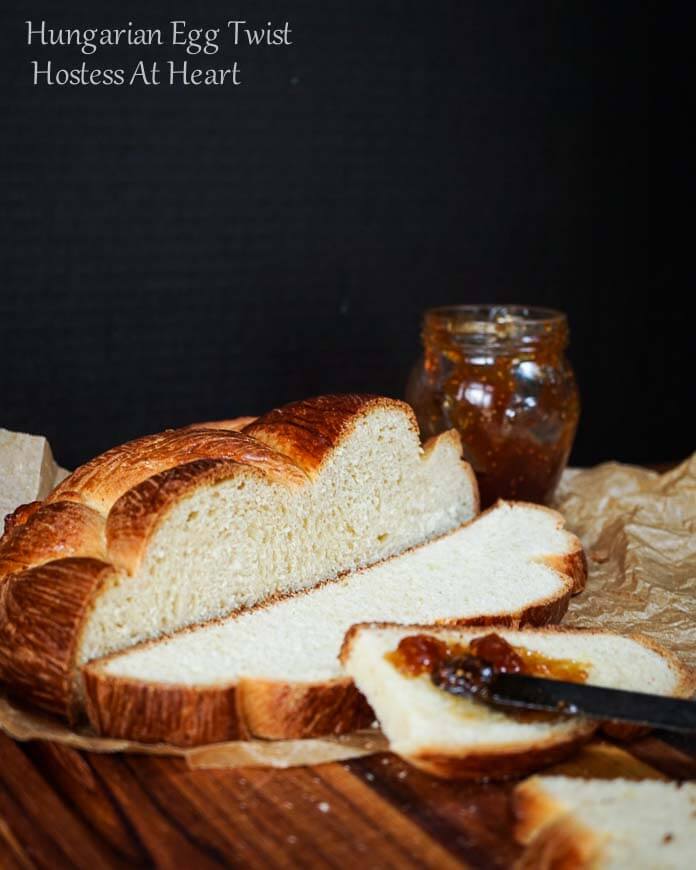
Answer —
193 524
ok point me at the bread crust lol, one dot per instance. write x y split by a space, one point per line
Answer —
42 613
103 480
533 808
563 845
182 715
179 716
288 711
139 512
554 840
52 531
308 430
19 516
502 761
539 613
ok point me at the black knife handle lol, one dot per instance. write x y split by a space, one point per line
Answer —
595 702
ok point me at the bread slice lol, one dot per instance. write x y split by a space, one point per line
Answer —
610 824
274 672
459 737
196 523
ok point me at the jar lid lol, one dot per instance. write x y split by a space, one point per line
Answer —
496 326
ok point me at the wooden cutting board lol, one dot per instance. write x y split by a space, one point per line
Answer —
64 808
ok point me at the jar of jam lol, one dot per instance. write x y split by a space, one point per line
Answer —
499 375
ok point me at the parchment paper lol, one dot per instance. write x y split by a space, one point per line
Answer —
27 470
22 724
637 527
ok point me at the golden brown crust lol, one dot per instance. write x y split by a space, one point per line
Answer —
42 611
307 431
52 531
19 517
103 480
545 611
137 514
178 715
501 761
533 808
562 845
553 838
293 711
181 715
572 565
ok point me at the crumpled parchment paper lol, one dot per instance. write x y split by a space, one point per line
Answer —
22 724
27 470
638 530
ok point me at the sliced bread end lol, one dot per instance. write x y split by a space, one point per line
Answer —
457 737
575 823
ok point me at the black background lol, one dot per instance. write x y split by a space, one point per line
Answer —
177 254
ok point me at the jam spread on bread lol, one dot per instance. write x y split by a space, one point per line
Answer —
463 669
419 654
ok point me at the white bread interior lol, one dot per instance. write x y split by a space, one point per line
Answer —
237 542
450 735
296 641
610 824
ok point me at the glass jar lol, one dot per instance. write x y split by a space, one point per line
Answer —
499 375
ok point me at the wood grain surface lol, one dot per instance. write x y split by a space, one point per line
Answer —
64 808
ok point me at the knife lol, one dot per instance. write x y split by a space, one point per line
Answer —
595 702
475 677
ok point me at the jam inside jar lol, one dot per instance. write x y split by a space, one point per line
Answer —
499 375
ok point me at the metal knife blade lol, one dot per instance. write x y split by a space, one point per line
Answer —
595 702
